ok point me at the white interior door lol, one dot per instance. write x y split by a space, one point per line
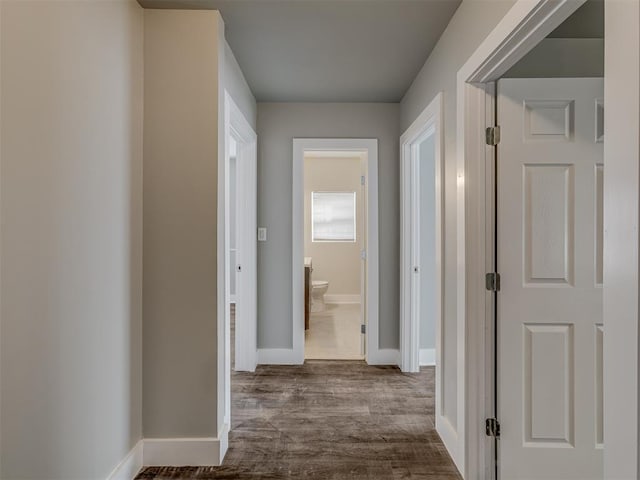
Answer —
550 168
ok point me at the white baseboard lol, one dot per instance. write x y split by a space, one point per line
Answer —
279 356
130 466
340 299
384 356
177 452
427 357
224 440
449 437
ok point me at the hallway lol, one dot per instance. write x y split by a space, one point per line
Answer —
328 420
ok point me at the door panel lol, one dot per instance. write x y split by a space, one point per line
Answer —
549 216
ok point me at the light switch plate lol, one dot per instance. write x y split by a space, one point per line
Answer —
262 234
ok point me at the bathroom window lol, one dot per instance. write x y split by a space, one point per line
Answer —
333 216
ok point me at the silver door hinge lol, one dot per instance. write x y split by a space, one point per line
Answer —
362 179
492 281
363 254
363 328
492 136
492 427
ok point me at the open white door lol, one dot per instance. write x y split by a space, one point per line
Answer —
242 259
363 257
549 217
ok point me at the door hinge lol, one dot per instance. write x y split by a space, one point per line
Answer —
492 427
362 180
363 254
363 328
492 136
492 282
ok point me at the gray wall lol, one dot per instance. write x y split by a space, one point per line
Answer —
278 125
470 25
71 264
236 85
428 243
562 57
183 53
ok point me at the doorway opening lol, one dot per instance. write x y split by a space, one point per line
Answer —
237 270
421 331
335 244
529 189
549 173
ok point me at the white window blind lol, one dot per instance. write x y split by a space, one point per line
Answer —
333 216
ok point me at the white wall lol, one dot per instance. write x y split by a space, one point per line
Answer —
183 78
278 124
471 23
337 262
70 211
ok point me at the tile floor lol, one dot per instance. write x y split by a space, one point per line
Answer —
334 334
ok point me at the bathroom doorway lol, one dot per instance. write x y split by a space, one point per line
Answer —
333 247
335 250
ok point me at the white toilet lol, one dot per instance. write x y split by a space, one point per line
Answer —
318 289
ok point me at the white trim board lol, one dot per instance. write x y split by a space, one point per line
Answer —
130 465
523 27
384 356
197 452
427 357
174 452
342 299
357 146
278 356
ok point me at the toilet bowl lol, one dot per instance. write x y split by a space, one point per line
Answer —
318 289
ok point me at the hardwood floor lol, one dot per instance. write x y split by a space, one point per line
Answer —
328 420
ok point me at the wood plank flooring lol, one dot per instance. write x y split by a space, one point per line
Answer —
328 420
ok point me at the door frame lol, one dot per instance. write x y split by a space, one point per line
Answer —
246 337
430 120
373 355
528 22
428 123
523 27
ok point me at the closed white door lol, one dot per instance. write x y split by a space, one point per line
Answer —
549 330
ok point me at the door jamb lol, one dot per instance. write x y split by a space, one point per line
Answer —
523 27
374 355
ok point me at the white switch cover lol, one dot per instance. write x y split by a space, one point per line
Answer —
262 234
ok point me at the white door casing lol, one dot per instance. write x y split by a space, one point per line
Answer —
245 264
369 148
549 331
428 123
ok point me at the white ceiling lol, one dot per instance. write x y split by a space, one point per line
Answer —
328 50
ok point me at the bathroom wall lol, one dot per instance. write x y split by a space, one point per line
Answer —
337 262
